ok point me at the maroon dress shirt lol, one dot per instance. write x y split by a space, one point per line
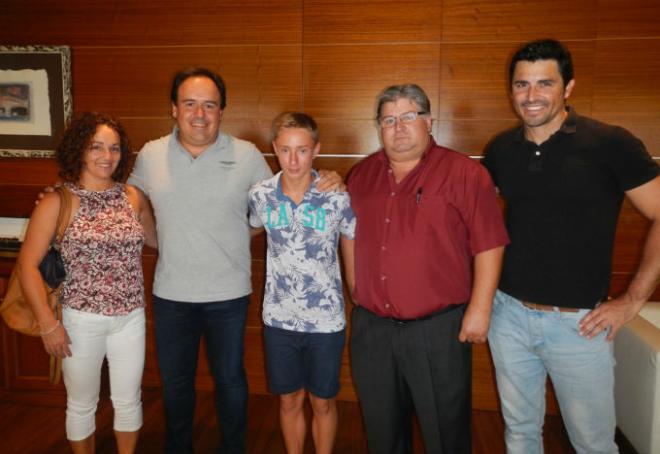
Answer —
415 240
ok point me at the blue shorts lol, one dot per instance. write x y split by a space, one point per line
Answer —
308 361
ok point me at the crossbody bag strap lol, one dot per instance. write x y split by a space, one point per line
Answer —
64 214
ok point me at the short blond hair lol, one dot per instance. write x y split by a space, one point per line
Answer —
288 120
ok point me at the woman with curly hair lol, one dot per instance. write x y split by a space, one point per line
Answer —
103 294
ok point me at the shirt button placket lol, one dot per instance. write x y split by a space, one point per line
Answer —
383 247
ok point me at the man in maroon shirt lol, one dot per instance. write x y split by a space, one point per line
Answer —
428 250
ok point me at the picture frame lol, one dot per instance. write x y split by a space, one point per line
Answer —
35 99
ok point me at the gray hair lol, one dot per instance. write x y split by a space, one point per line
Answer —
411 92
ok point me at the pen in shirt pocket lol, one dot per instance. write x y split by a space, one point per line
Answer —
418 196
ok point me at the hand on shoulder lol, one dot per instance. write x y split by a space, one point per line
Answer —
47 190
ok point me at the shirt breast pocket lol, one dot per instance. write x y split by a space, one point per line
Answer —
434 214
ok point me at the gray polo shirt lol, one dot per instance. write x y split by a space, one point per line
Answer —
201 210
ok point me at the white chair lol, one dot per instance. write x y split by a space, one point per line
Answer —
637 380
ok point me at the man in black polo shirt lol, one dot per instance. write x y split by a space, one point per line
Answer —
563 177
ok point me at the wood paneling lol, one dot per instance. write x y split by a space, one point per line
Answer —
341 165
628 18
469 136
151 23
512 20
141 130
261 81
19 171
20 182
348 136
331 58
625 78
342 82
625 86
371 21
629 240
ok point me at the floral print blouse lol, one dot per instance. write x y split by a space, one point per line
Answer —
102 252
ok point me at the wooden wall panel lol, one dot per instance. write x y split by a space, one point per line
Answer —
626 87
348 136
469 136
341 165
629 241
20 182
331 58
141 130
342 82
352 80
625 19
371 21
18 171
30 360
512 20
626 75
261 81
473 81
151 23
279 76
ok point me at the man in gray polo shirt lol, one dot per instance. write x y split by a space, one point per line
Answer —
198 178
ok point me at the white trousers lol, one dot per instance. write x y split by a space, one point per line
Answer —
93 336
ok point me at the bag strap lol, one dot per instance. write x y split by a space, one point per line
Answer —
64 213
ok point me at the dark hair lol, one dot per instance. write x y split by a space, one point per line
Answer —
76 140
411 92
196 71
300 120
544 49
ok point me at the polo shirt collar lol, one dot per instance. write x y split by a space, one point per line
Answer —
219 148
283 197
569 126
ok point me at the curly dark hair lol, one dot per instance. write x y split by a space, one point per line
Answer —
76 140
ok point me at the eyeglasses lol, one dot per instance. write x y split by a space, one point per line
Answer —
406 118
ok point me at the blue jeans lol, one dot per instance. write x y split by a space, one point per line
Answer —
527 345
179 327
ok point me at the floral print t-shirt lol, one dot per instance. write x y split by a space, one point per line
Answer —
102 251
303 281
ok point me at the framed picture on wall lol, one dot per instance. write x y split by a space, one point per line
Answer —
35 99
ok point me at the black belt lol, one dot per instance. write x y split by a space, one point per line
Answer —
404 321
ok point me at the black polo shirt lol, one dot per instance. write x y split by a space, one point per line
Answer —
563 201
